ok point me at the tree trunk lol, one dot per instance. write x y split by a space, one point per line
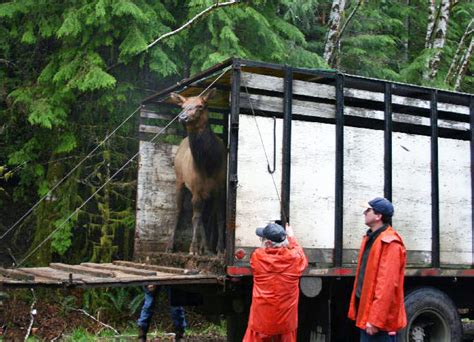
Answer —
438 39
335 22
465 63
431 23
458 56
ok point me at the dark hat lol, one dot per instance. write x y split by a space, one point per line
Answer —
382 205
273 232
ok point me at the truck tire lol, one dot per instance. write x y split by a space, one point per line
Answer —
431 316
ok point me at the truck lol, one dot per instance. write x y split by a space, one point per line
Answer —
310 146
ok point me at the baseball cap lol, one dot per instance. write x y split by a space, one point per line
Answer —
382 205
273 232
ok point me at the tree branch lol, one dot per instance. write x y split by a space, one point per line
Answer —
465 63
458 58
207 10
95 319
349 19
32 315
190 22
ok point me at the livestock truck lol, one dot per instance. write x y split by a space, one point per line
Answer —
310 146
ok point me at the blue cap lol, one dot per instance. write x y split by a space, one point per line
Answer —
273 232
382 205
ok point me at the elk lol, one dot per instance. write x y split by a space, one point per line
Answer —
200 166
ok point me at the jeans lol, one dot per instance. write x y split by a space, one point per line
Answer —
381 336
177 312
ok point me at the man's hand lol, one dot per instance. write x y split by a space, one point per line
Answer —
289 230
371 329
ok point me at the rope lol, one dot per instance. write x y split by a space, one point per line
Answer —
285 218
115 174
66 176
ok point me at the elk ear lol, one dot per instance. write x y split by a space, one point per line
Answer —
209 94
177 99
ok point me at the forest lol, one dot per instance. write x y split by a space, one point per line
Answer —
73 72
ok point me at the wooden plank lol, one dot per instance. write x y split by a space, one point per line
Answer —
325 91
324 110
157 129
151 115
82 270
47 274
157 268
124 269
15 274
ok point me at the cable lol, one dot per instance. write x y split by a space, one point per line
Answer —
266 156
65 177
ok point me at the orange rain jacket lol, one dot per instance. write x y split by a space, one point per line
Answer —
382 300
276 274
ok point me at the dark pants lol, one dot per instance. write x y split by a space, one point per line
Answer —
381 336
177 312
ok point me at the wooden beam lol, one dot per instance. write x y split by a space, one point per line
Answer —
156 268
123 269
311 89
82 270
15 274
328 111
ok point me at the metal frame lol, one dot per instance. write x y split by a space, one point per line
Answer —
232 165
339 191
435 242
388 129
286 162
471 110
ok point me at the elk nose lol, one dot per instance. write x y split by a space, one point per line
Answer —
183 117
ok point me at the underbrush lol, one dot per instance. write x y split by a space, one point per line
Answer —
94 315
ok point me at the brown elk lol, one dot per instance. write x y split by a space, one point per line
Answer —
200 166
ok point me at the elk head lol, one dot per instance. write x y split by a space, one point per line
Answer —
194 113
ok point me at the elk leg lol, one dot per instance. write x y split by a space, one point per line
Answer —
179 208
197 209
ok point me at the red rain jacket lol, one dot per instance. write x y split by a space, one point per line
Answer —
276 275
382 299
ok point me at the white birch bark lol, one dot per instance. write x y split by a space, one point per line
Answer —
438 39
458 56
464 65
335 21
431 23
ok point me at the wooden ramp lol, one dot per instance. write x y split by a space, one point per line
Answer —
115 274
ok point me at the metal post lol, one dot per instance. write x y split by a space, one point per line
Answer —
339 195
388 142
232 167
471 113
286 167
435 260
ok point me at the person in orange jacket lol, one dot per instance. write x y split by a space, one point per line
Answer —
377 300
277 267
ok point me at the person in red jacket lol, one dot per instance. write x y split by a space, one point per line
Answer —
277 267
377 300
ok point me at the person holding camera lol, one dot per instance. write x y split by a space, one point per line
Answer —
277 267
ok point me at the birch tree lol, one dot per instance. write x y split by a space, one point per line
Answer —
459 56
437 39
464 64
334 24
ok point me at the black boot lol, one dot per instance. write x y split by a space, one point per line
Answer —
142 334
179 334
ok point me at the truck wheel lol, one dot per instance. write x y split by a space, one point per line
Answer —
431 316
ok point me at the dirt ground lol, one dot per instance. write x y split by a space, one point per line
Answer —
53 322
